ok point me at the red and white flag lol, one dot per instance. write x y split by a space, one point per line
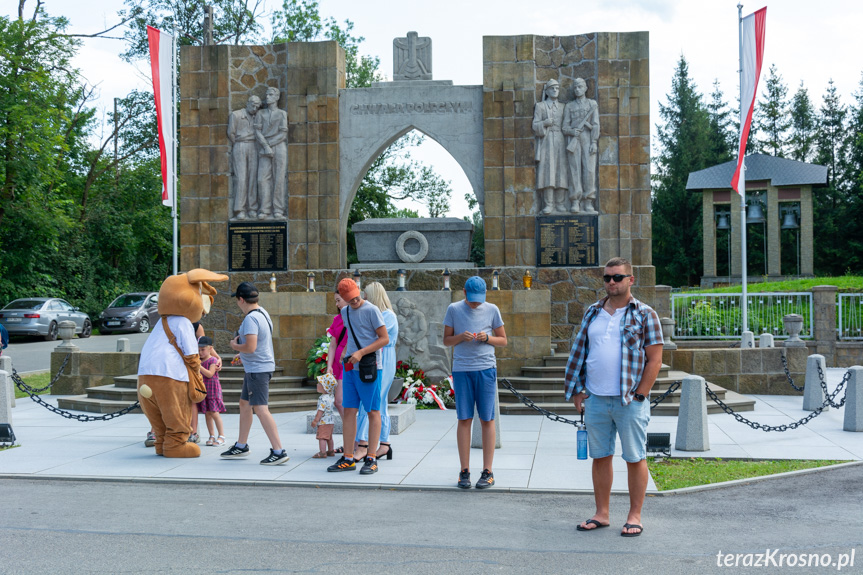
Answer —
161 63
752 55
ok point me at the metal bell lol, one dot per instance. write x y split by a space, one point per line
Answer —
789 220
722 222
754 213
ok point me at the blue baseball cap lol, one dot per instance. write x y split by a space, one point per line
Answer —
474 289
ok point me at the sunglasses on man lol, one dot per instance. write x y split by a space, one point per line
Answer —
616 277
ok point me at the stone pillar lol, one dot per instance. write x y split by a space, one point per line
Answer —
708 222
123 345
772 239
853 401
736 259
662 301
692 434
824 321
6 365
765 340
476 428
813 393
807 258
7 392
747 340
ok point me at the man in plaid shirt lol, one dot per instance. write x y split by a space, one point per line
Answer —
613 364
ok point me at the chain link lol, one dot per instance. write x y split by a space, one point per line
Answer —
788 373
34 395
828 397
558 418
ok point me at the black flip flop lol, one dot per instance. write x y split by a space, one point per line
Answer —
591 521
631 526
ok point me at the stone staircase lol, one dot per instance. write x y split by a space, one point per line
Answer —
544 386
287 394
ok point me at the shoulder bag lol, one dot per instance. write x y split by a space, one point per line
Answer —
197 389
368 365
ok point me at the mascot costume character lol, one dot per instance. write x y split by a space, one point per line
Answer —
169 377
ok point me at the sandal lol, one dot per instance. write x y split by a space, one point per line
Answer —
330 453
211 441
220 440
320 455
341 449
363 456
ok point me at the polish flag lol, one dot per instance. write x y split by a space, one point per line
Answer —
751 55
161 62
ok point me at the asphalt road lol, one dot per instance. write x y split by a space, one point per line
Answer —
32 354
102 527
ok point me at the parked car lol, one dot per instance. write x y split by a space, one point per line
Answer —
130 312
41 316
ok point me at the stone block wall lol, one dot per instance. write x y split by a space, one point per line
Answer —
217 80
90 369
751 371
616 69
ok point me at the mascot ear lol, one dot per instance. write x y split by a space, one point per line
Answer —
199 278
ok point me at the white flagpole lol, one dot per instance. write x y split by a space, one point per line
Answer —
742 185
173 113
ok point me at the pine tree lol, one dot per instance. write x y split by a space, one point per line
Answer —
853 176
829 204
804 126
722 137
772 115
685 146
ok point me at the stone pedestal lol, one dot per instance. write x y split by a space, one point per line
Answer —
402 416
667 333
747 340
6 365
854 401
476 428
793 324
123 345
765 340
692 434
813 393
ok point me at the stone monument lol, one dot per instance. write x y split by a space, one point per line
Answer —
420 316
412 58
243 152
581 126
271 131
551 164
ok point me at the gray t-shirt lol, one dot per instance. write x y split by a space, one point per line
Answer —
472 355
364 322
262 360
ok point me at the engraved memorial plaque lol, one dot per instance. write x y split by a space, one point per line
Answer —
254 247
569 241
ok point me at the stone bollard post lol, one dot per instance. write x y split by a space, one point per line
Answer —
476 427
854 401
813 393
747 340
765 340
6 395
6 365
692 434
123 345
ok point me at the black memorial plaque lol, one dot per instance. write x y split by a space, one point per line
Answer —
257 247
569 241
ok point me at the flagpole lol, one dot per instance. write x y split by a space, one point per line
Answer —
742 184
174 128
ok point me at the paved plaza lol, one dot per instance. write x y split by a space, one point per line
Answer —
536 455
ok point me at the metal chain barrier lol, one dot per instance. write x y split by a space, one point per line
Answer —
34 395
828 397
555 417
788 373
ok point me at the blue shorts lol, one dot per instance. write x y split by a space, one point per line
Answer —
256 388
475 388
605 417
355 391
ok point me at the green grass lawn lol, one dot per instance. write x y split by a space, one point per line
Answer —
844 283
35 381
677 473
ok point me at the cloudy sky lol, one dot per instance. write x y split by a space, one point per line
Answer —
809 42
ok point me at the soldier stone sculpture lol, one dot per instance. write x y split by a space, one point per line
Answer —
271 131
243 152
581 126
551 168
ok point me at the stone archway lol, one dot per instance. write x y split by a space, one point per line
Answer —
371 119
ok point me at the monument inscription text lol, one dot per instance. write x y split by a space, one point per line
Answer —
258 246
566 241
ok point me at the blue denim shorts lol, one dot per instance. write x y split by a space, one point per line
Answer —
605 417
475 388
355 392
256 388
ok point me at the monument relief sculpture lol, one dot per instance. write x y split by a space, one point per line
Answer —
243 153
425 345
551 169
271 131
412 58
581 126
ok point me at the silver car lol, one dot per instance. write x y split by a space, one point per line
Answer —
130 312
41 316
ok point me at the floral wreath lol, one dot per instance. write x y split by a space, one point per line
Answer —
417 390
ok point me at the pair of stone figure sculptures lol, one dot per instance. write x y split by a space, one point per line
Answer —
566 150
258 149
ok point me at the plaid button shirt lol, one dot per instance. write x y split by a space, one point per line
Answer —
639 328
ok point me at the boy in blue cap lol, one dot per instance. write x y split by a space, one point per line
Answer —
474 327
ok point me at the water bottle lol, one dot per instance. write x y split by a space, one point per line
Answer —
581 439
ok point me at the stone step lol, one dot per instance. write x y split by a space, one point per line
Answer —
735 401
233 395
92 405
232 381
113 392
738 403
547 371
540 394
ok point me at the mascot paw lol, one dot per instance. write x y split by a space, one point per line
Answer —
185 450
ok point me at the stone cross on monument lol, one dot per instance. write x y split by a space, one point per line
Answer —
412 58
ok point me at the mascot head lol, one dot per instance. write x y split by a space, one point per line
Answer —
189 294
